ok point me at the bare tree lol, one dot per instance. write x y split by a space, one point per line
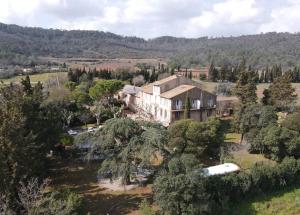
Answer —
138 80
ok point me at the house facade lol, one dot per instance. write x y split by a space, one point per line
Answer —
164 100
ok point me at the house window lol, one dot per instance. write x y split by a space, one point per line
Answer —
194 103
178 104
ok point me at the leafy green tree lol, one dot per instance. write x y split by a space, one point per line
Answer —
35 199
245 88
266 99
282 93
80 94
145 208
28 131
292 122
127 144
70 85
27 85
254 117
198 138
182 194
276 142
105 89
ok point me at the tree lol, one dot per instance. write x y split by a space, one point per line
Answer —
187 108
266 99
80 94
97 110
127 144
198 138
138 80
35 199
182 194
212 73
282 93
145 208
245 88
105 89
27 85
292 122
28 131
253 118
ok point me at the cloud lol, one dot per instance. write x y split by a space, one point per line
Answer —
153 18
284 19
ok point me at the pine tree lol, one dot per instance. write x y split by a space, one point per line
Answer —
282 93
27 85
245 88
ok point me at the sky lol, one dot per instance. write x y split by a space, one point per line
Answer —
154 18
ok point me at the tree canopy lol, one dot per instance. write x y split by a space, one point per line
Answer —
105 89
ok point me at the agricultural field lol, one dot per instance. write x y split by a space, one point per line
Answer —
42 77
284 202
210 86
99 63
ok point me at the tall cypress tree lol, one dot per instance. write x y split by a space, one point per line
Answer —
187 108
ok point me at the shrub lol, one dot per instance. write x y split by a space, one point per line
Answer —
145 208
66 140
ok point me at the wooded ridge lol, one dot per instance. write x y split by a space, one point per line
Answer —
18 42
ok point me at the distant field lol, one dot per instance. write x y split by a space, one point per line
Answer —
284 202
101 63
37 77
210 87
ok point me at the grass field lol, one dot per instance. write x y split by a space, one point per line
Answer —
37 77
240 155
284 202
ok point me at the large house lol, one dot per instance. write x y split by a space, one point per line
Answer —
164 100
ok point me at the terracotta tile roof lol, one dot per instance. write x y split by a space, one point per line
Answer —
149 88
162 81
177 91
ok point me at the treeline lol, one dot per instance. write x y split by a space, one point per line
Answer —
23 42
228 73
148 73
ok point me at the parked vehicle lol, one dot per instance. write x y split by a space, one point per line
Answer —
72 132
91 129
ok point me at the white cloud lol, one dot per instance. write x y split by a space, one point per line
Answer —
152 18
285 19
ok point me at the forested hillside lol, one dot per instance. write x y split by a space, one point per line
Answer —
18 44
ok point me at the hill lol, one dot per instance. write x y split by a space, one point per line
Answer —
18 44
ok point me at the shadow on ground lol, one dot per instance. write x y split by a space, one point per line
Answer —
81 178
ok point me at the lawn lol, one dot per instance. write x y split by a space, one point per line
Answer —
239 153
81 178
284 202
37 77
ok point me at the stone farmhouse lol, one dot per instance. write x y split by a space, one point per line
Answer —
164 100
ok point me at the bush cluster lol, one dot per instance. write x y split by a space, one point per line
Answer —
192 193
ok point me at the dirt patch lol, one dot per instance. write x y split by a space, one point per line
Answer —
82 179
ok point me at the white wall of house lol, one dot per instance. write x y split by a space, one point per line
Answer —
159 107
